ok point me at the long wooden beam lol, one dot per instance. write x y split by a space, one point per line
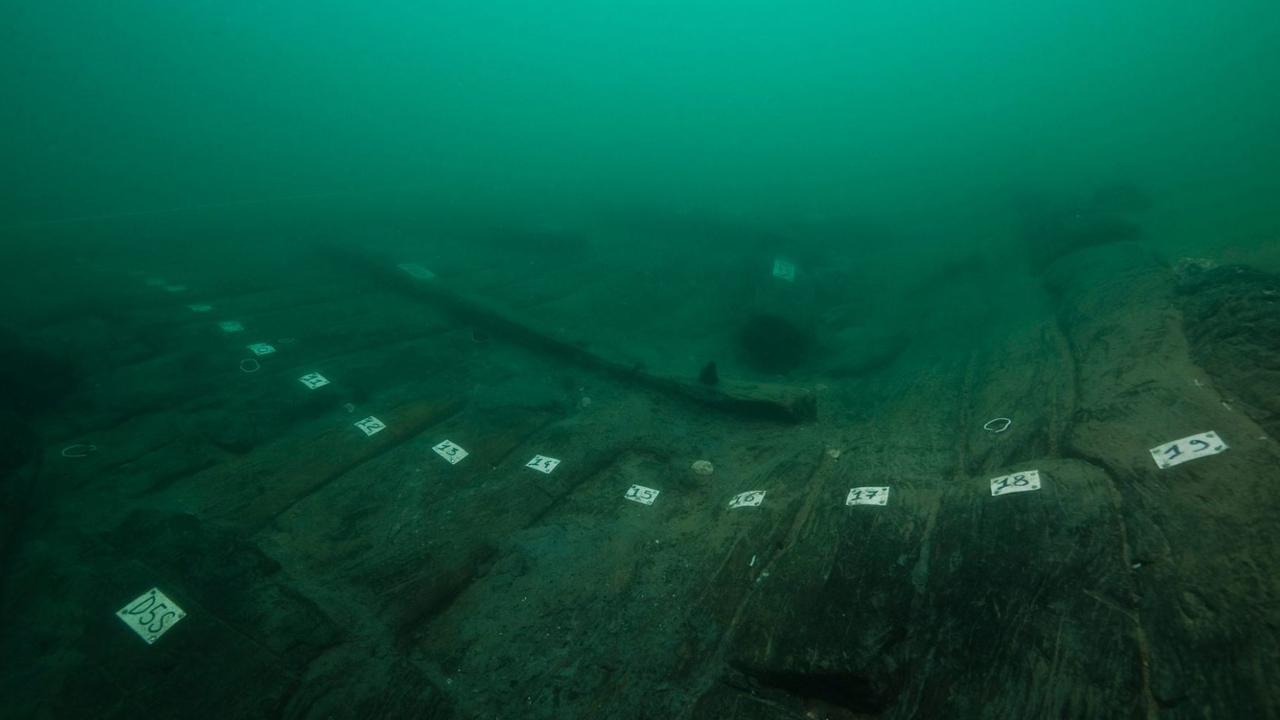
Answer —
759 400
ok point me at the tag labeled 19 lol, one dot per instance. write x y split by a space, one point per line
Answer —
1187 448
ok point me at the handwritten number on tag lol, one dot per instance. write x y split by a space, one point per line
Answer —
151 614
1019 480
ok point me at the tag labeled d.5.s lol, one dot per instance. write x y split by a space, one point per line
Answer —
150 615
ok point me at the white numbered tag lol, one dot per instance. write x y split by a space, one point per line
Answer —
151 614
751 498
261 349
417 271
542 463
784 269
867 496
231 326
1017 482
371 425
313 380
450 452
200 308
1188 448
642 494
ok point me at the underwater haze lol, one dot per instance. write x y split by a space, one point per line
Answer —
616 359
928 114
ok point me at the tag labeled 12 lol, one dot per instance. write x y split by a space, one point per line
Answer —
370 425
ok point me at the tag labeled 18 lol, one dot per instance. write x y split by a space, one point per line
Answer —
1017 482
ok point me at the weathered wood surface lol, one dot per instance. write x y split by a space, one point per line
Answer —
768 400
328 574
1203 531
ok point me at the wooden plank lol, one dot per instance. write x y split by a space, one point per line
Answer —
251 492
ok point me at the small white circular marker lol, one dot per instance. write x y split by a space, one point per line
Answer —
79 450
997 425
249 365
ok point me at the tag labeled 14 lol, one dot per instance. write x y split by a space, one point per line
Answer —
542 463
